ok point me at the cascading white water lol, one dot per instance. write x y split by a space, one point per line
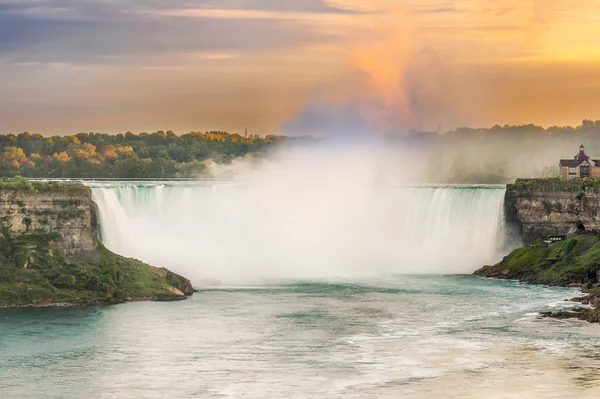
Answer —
245 232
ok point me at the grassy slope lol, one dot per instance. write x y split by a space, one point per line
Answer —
567 262
101 277
570 261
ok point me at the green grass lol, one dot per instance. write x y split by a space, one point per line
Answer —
34 272
577 184
535 183
20 183
49 277
570 261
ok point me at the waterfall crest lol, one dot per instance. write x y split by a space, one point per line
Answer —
244 232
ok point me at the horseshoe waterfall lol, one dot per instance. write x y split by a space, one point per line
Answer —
240 232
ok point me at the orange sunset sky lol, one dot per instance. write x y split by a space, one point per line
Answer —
296 66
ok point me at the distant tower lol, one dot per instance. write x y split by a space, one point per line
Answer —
246 133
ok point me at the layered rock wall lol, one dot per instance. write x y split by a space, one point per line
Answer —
545 209
50 255
68 214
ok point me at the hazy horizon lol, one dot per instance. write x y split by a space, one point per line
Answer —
299 135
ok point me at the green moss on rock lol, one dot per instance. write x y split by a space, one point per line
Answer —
566 262
573 262
44 264
31 274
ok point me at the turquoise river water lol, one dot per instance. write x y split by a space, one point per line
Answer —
382 337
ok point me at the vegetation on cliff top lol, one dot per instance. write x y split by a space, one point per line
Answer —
33 274
20 183
581 184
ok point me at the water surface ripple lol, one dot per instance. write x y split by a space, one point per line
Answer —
387 337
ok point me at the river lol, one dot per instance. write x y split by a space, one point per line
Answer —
307 291
387 337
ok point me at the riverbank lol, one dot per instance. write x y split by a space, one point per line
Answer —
574 262
53 281
50 255
162 298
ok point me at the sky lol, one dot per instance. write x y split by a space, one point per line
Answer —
296 66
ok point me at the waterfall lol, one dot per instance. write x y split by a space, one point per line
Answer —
240 232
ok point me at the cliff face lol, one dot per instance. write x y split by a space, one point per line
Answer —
544 209
67 214
50 256
540 209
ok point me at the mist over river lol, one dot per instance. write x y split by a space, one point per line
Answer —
318 291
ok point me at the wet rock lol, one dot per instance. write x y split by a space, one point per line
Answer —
182 284
574 313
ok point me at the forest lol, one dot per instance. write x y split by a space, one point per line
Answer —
97 155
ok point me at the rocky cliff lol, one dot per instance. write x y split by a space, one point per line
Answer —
65 211
50 255
545 208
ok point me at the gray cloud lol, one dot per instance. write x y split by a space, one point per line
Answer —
109 32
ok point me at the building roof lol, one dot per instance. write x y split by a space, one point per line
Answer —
573 163
582 156
578 159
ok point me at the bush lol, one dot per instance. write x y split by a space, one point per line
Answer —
5 276
64 281
39 294
95 284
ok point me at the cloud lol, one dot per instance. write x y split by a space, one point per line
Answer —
414 72
120 31
369 6
212 56
24 38
256 14
376 64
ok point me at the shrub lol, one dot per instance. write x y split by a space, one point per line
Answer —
27 222
64 281
94 284
39 294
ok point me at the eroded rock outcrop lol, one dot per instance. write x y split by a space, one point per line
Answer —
542 209
182 284
65 211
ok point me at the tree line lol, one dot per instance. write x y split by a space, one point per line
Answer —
98 155
499 154
463 155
